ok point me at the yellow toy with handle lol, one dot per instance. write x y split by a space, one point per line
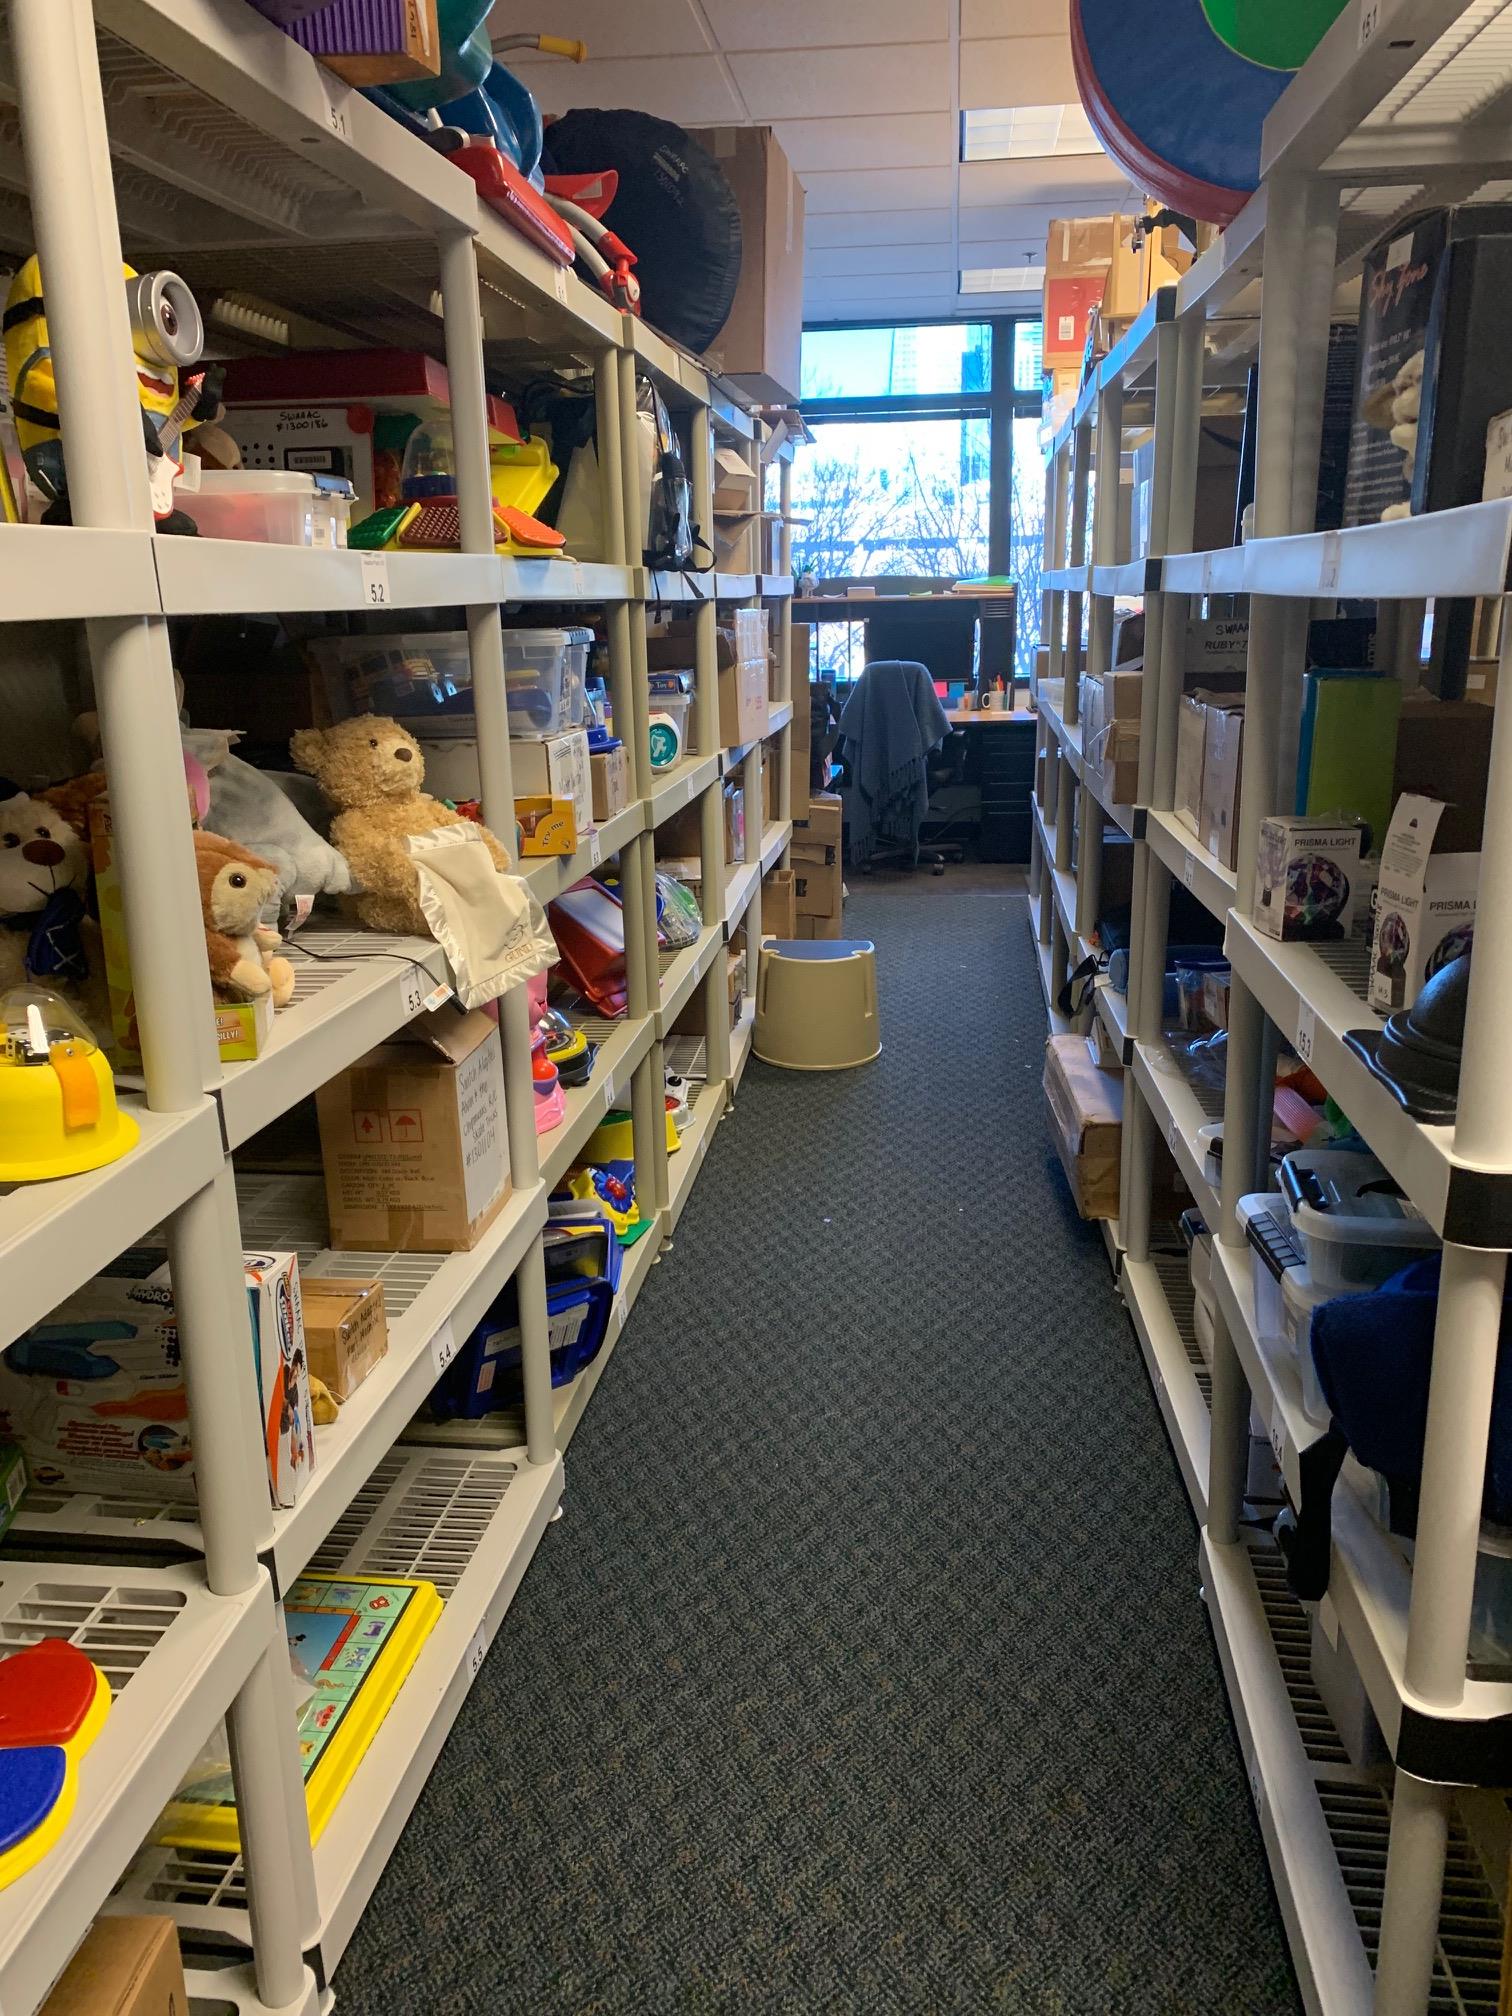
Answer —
167 337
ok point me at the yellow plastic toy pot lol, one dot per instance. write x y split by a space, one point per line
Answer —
613 1139
58 1111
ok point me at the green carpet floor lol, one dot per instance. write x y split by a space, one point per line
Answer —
867 1670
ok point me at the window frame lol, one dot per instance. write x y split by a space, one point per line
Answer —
1000 406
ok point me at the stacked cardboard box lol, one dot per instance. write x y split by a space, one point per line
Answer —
1110 718
818 868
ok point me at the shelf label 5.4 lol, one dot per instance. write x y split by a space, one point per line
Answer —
443 1347
1307 1030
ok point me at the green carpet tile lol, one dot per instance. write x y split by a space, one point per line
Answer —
867 1669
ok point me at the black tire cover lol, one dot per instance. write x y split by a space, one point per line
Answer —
674 209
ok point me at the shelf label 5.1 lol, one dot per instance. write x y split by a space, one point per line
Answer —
1307 1029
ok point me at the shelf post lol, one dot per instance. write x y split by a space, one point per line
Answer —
1414 1890
281 1900
1081 474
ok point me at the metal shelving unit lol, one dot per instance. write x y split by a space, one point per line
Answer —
1381 1886
198 126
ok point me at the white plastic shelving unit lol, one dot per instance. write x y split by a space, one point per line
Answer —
1386 1904
290 200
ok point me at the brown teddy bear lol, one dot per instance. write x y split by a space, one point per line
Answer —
372 772
234 888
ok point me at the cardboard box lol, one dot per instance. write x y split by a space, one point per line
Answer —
742 702
734 482
551 766
412 1139
760 343
124 1967
276 1304
821 821
1084 1107
1308 884
12 1482
1425 906
94 1395
1191 739
1079 255
1222 756
242 1028
346 1330
734 824
1443 751
779 904
546 826
818 887
609 775
367 42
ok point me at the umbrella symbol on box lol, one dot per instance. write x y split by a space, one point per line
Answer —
405 1123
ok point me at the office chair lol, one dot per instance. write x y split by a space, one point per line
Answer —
892 727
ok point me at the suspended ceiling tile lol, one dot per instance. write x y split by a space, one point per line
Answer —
1018 70
980 18
883 189
823 24
903 140
1058 181
825 262
813 83
609 27
874 227
692 90
1026 221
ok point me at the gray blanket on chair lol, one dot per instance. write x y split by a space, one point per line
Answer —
891 722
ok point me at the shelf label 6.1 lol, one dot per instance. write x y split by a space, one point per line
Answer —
376 593
1307 1029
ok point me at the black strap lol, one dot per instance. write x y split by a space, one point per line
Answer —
1067 1002
36 416
22 311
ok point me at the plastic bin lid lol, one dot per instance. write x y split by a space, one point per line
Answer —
1338 1196
270 482
548 640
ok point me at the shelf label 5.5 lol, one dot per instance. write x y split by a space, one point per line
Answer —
477 1652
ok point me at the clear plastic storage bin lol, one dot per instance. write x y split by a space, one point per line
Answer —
1286 1294
271 507
678 709
545 680
1354 1226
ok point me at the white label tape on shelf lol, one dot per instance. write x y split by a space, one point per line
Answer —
559 283
1173 1137
595 849
376 592
1256 1785
1328 572
1278 1433
443 1347
1189 869
609 1095
1307 1029
1370 23
477 1652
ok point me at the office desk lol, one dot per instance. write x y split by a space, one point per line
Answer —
910 619
999 761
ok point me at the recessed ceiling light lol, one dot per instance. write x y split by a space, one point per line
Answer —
1001 279
1027 133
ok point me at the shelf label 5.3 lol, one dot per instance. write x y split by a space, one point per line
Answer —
1307 1030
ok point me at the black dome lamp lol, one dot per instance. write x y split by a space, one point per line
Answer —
1417 1054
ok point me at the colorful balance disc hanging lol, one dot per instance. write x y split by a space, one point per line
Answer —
1178 91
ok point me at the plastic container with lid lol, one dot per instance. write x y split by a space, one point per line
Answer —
669 729
545 680
1354 1226
1286 1294
271 507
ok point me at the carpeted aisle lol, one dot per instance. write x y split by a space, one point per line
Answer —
867 1669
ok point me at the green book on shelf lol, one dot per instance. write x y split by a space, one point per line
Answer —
1347 755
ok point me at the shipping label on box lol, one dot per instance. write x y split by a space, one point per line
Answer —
557 766
413 1142
1215 644
609 769
1425 906
346 1330
1309 882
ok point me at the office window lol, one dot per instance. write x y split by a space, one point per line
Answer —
910 426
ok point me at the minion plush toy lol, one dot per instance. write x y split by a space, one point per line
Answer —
167 335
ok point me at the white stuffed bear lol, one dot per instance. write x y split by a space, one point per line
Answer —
47 935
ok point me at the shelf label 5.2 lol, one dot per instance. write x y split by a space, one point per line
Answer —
376 593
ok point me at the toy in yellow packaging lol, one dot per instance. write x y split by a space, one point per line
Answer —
546 826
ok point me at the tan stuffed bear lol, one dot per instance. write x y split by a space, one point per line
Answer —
234 887
372 772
